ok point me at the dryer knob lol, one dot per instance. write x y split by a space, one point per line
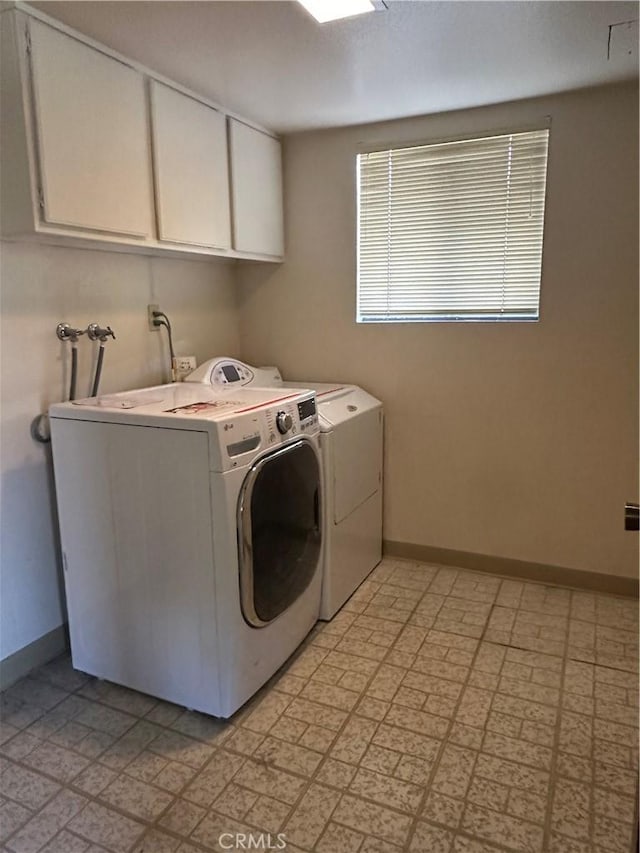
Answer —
284 422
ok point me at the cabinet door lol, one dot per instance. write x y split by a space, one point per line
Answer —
256 180
92 134
191 169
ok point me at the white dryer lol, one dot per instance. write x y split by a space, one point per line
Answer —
190 522
351 424
351 435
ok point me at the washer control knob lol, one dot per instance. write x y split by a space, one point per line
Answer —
284 422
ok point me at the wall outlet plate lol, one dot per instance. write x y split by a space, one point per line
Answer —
151 318
184 364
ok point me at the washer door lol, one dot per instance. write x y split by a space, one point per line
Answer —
279 531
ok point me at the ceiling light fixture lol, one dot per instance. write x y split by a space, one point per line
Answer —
332 10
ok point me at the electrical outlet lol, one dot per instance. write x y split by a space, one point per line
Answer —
151 318
184 364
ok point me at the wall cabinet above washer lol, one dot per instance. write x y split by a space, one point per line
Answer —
91 136
190 168
99 152
256 170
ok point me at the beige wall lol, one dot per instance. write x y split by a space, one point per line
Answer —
513 440
42 286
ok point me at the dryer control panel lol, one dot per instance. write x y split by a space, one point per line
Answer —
229 372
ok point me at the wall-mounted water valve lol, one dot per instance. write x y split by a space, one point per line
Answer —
96 333
65 332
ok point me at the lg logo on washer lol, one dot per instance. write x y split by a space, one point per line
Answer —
252 841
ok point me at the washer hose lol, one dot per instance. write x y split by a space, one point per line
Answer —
74 370
98 373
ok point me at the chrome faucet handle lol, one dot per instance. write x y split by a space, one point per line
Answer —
96 333
65 332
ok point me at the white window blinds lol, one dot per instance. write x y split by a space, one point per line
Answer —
452 231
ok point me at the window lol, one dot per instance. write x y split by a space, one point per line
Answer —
452 231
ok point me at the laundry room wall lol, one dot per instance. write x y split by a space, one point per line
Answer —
511 440
42 286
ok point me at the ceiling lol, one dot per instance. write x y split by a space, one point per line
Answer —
271 62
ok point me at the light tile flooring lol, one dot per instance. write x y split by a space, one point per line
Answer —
440 711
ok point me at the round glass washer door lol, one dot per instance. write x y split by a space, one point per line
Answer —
279 531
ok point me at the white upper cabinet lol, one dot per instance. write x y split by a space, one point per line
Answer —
98 151
92 136
191 169
256 189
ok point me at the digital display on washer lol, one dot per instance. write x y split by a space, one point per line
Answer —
306 409
230 373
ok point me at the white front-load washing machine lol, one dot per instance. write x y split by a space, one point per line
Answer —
351 440
191 531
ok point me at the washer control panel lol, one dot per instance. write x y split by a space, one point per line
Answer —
284 422
244 435
292 418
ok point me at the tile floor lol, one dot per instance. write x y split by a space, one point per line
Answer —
440 711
